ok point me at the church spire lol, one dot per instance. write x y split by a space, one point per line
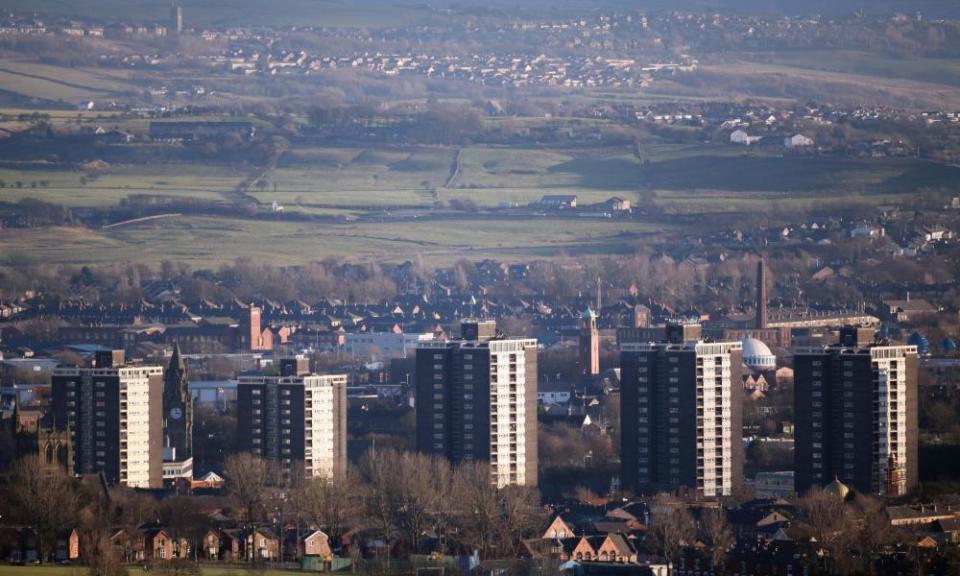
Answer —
177 369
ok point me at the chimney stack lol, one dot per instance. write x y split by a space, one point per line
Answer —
761 317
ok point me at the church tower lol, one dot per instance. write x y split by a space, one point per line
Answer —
589 345
177 419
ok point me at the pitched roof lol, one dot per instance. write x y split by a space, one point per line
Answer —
621 544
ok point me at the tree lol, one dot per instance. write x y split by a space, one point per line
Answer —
477 497
716 534
45 500
98 520
133 509
247 477
328 504
415 494
823 512
832 527
520 514
102 558
672 524
493 520
290 502
381 502
443 514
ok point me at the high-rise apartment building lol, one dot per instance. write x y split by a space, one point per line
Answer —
681 414
477 401
295 417
856 415
114 414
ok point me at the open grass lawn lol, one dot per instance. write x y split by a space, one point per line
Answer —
343 177
207 242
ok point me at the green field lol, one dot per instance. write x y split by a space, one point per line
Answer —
110 185
73 85
384 198
323 179
342 177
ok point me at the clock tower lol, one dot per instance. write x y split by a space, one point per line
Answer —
177 420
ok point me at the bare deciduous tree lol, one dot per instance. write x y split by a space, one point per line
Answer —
415 494
444 513
477 497
45 498
716 534
329 505
823 512
671 524
247 476
378 470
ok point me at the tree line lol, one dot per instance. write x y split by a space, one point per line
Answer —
411 502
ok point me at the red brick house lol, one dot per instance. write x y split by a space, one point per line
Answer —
130 547
609 548
261 544
158 545
231 545
317 544
616 548
586 549
210 545
558 529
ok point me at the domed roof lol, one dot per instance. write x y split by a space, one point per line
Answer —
757 355
754 347
589 313
837 489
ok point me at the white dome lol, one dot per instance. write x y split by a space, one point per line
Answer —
757 355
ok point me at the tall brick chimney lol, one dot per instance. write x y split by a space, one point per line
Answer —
761 322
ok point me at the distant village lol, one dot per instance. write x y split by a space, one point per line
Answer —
319 52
